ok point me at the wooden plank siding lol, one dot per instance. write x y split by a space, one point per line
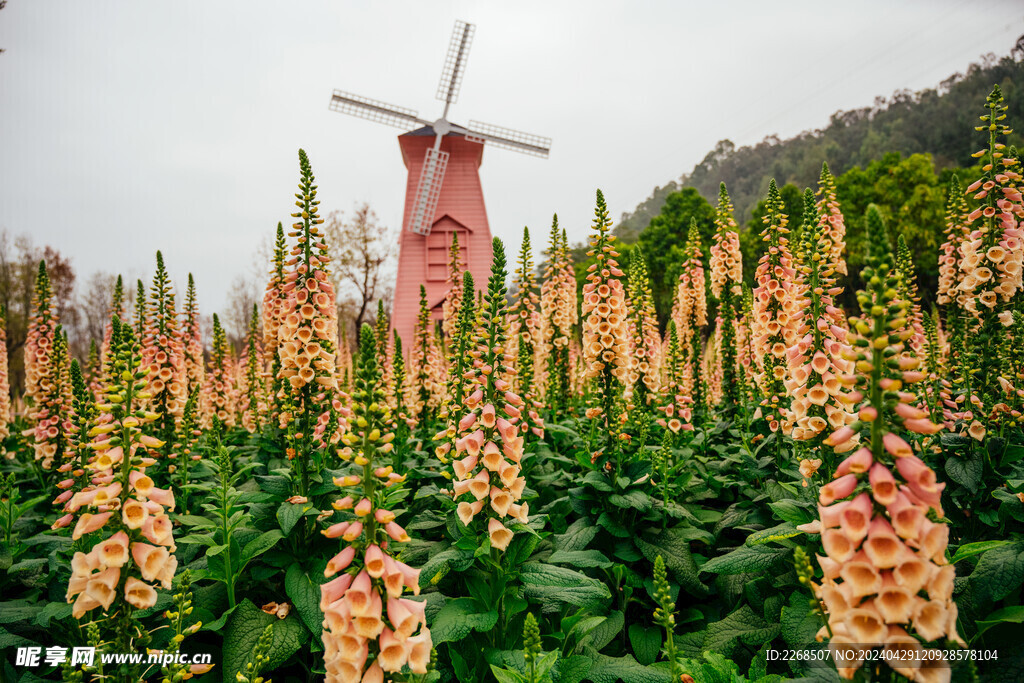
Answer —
460 208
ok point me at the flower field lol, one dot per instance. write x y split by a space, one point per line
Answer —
547 485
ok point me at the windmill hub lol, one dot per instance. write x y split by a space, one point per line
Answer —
442 126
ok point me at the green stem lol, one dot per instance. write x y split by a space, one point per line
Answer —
229 578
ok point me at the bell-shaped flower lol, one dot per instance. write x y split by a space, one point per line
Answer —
369 624
88 523
857 463
500 501
334 590
882 545
480 485
113 552
157 529
394 581
837 546
134 514
499 535
139 594
149 559
492 457
855 518
164 497
930 618
940 585
358 594
354 531
340 561
837 489
336 530
912 573
102 587
374 561
393 654
83 604
467 511
906 517
860 574
419 652
883 484
395 532
865 624
894 602
464 467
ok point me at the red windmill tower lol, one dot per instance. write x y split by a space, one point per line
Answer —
443 195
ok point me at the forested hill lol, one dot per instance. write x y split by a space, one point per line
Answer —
931 121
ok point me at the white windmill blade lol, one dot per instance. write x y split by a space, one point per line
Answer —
428 191
374 110
455 63
507 138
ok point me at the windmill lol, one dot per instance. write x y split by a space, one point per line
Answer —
443 192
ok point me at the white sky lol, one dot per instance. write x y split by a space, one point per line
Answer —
127 127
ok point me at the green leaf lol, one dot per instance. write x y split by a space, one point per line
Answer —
572 669
437 567
733 516
604 669
216 550
303 589
522 546
576 536
279 486
800 623
546 582
198 539
953 441
634 499
971 549
744 559
8 639
457 618
742 626
966 471
675 551
689 533
52 610
646 643
244 629
612 526
1012 454
196 520
776 533
17 610
506 676
791 511
580 558
598 481
1012 615
260 545
428 519
999 572
288 515
605 632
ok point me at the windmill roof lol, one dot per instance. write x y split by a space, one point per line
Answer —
429 131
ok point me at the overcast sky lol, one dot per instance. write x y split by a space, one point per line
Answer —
127 127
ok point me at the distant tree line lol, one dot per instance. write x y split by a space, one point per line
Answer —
899 154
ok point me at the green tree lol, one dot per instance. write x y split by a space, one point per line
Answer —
662 241
911 198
